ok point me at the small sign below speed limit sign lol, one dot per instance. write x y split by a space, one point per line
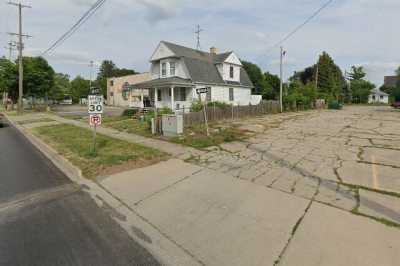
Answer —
95 120
95 104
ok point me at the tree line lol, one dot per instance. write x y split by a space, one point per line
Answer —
323 80
41 81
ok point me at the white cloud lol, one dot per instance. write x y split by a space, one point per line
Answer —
127 31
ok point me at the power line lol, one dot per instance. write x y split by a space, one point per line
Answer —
290 34
88 14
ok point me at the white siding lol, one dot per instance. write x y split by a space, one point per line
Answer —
180 69
161 52
242 96
378 99
233 59
226 72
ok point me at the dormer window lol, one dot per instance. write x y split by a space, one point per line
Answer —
172 69
164 69
231 72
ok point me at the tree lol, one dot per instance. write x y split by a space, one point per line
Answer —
38 77
357 73
61 87
361 89
331 81
79 88
256 76
108 70
273 84
8 78
306 76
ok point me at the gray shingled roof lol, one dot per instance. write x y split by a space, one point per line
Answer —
202 71
163 82
379 92
202 65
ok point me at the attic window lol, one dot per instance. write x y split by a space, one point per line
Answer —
231 72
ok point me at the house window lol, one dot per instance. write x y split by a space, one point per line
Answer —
381 97
172 68
125 94
164 69
111 83
112 94
231 72
159 98
373 97
231 95
182 94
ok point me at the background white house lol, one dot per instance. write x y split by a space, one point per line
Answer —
177 71
378 96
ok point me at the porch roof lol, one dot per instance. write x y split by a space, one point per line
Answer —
164 82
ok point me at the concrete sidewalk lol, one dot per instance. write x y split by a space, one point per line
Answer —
221 220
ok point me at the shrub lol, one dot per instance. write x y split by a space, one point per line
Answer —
335 105
221 105
196 106
130 112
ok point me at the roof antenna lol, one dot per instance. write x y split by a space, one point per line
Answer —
198 31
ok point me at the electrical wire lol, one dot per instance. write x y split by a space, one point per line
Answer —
87 15
290 34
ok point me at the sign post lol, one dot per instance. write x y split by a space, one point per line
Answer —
201 91
95 110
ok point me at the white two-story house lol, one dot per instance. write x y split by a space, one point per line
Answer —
177 71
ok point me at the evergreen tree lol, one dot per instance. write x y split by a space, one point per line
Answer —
331 81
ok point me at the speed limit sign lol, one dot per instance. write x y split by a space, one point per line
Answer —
95 104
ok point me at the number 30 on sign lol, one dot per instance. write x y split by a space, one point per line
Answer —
95 104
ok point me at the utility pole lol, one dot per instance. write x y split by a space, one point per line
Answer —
198 31
91 74
20 48
316 77
282 53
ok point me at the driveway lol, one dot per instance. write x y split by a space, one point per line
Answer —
311 188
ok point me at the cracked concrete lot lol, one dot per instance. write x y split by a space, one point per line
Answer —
309 188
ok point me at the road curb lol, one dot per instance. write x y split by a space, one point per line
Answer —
163 249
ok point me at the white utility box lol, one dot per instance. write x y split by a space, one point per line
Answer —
172 125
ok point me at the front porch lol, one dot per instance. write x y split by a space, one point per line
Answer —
173 93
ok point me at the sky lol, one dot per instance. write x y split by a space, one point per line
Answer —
353 32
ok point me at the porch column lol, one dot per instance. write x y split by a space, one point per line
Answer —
141 98
155 97
172 100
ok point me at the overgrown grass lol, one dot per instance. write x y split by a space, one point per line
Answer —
128 125
196 136
76 143
41 120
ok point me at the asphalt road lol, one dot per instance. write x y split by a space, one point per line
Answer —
47 220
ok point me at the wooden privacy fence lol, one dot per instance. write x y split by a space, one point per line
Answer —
232 112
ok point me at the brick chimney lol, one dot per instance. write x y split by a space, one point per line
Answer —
213 50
